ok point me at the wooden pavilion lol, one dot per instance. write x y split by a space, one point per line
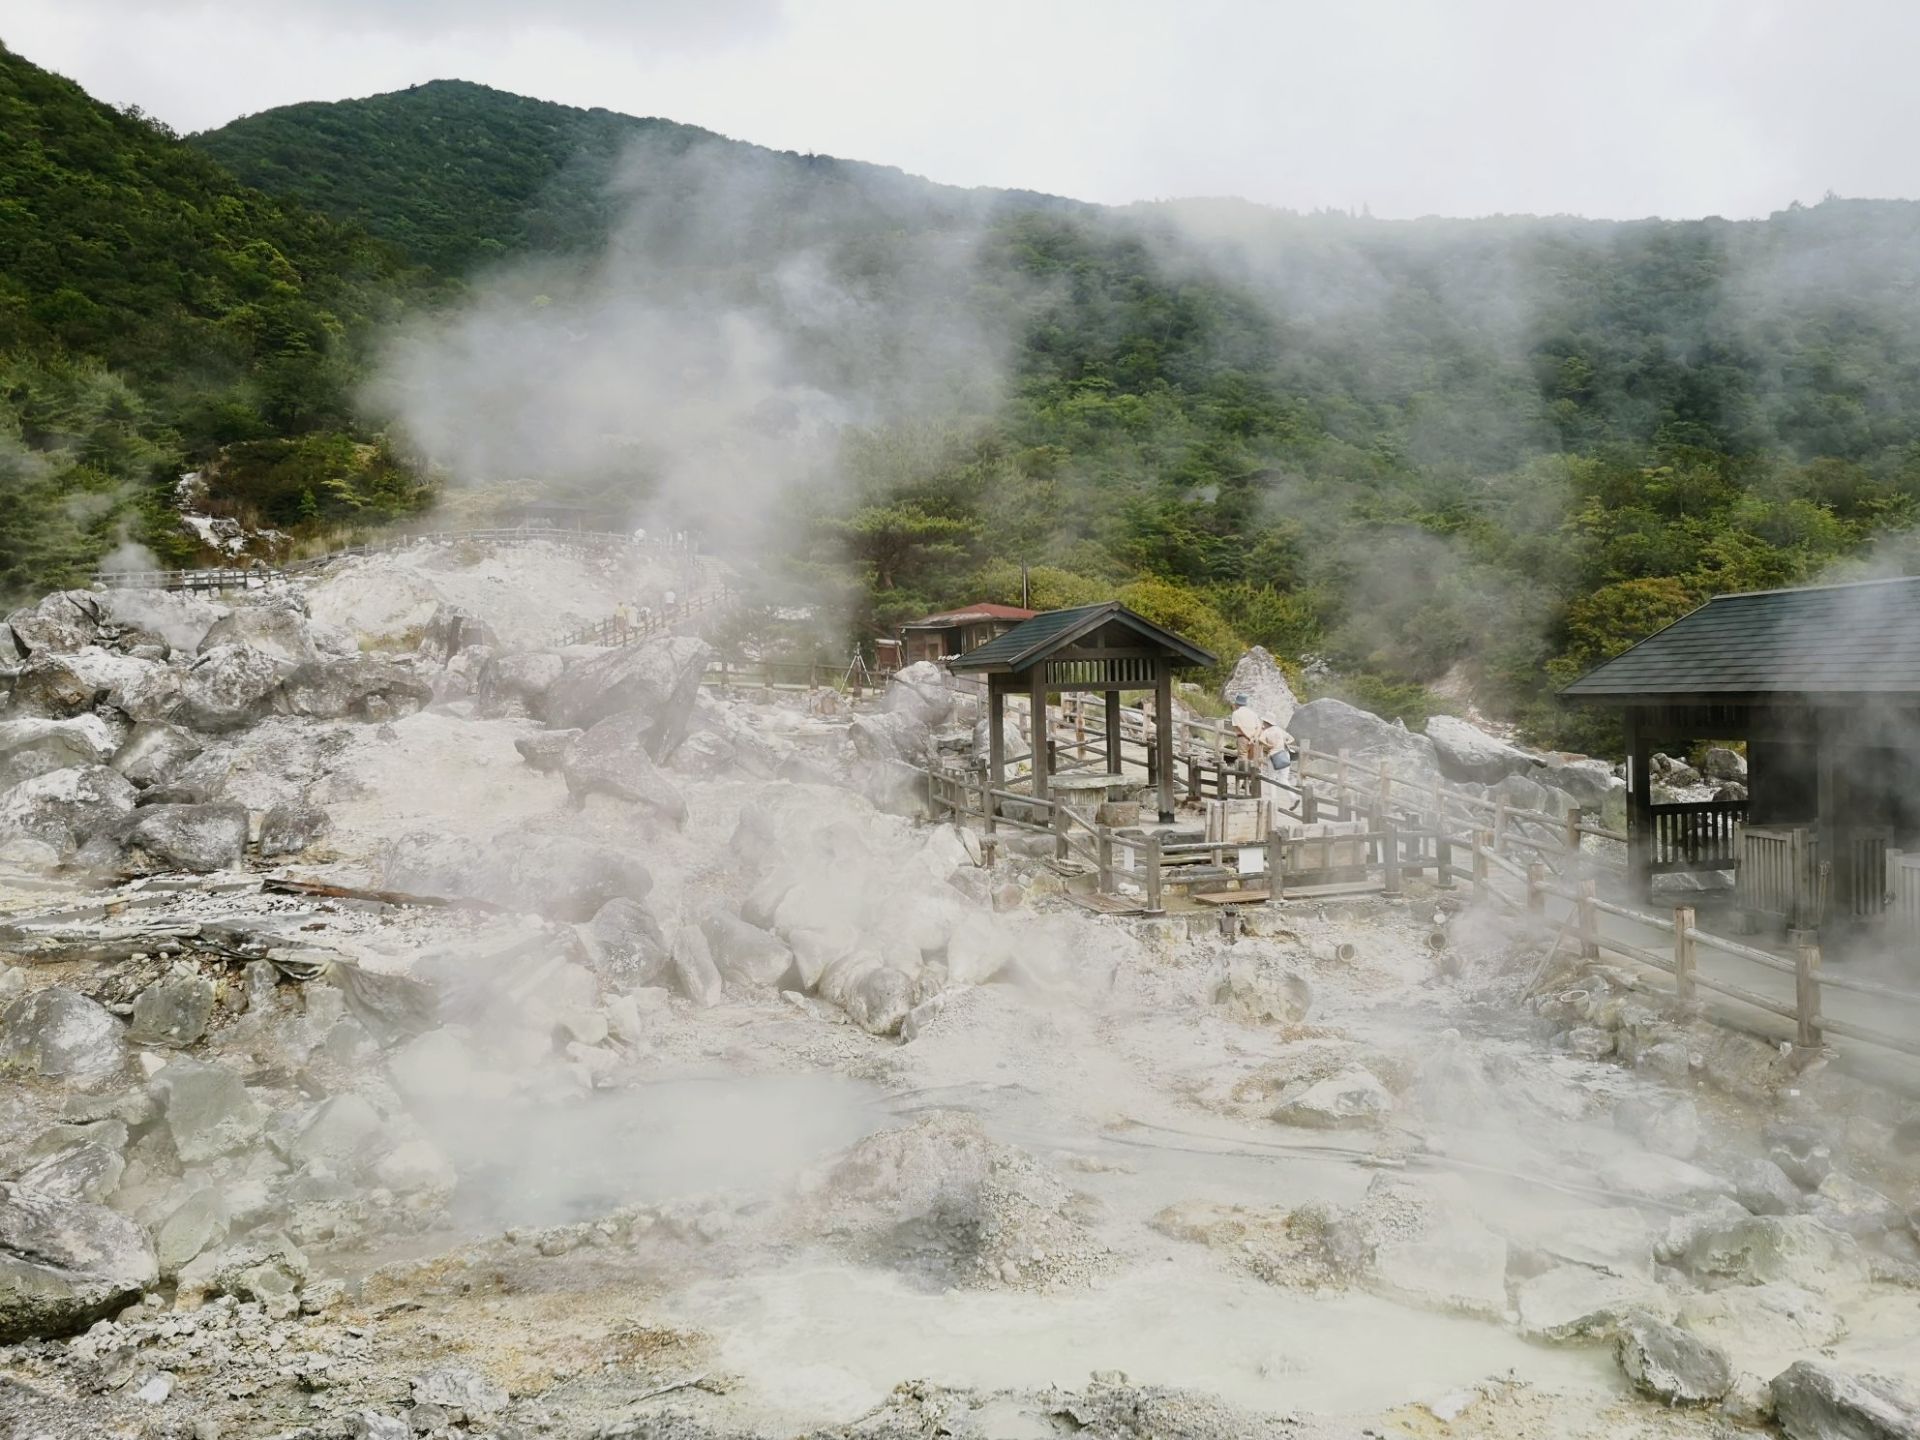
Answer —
1104 648
1823 686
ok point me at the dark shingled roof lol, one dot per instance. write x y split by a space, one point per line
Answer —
1824 641
1034 639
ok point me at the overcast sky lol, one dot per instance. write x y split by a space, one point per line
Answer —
1616 108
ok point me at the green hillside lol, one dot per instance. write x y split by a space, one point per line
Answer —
153 310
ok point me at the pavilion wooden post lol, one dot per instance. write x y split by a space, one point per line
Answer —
1685 951
1589 920
1276 865
1163 735
1116 759
996 736
1042 738
1806 993
1639 806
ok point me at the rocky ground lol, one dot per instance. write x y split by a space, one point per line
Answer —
412 1030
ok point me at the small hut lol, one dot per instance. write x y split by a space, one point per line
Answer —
951 633
1104 648
1823 686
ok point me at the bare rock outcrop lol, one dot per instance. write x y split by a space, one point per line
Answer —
615 758
65 1264
355 688
656 681
1258 676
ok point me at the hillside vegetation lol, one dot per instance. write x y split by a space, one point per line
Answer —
1477 455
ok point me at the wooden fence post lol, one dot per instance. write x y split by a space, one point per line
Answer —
988 807
1573 829
1193 779
1340 785
1443 859
1479 864
1390 858
1276 865
1500 825
1685 952
1806 992
1589 921
1537 888
1104 844
1150 858
1059 820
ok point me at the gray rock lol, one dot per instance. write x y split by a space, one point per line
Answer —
1816 1401
1258 676
1459 1266
1844 1203
1331 725
521 680
63 809
85 1171
197 1225
1723 764
65 1264
229 688
919 691
276 630
155 752
30 747
1525 794
199 839
1571 1303
625 944
745 953
1675 774
207 1111
547 751
694 973
354 688
656 682
563 877
1802 1152
57 1034
1731 790
340 1133
1670 1365
1763 1327
1666 1127
64 620
451 631
268 1268
888 737
1352 1097
1466 752
1761 1249
291 827
174 1010
1591 783
372 1425
460 1391
1763 1187
614 758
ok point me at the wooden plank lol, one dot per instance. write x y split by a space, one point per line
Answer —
1232 897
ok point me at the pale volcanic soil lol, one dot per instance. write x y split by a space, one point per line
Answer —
818 1128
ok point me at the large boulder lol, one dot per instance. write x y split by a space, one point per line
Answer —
207 1111
1761 1249
1330 725
1572 1303
745 953
452 630
58 1034
65 1264
615 758
521 679
230 687
355 688
563 877
656 682
195 838
889 736
291 827
276 630
920 692
1467 752
64 620
63 809
30 747
1592 785
1258 676
1349 1098
624 943
1816 1401
694 973
58 685
175 1010
1671 1365
154 752
1721 764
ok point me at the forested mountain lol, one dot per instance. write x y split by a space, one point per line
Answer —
1484 452
462 174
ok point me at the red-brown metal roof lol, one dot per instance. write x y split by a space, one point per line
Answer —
985 610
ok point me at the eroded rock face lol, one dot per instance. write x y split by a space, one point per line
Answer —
174 1010
694 973
1353 1097
276 630
522 679
64 620
1760 1249
920 692
59 685
291 827
207 1110
65 1264
656 681
1816 1401
745 953
230 687
58 1034
624 943
30 747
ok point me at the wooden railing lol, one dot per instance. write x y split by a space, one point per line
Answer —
1694 836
